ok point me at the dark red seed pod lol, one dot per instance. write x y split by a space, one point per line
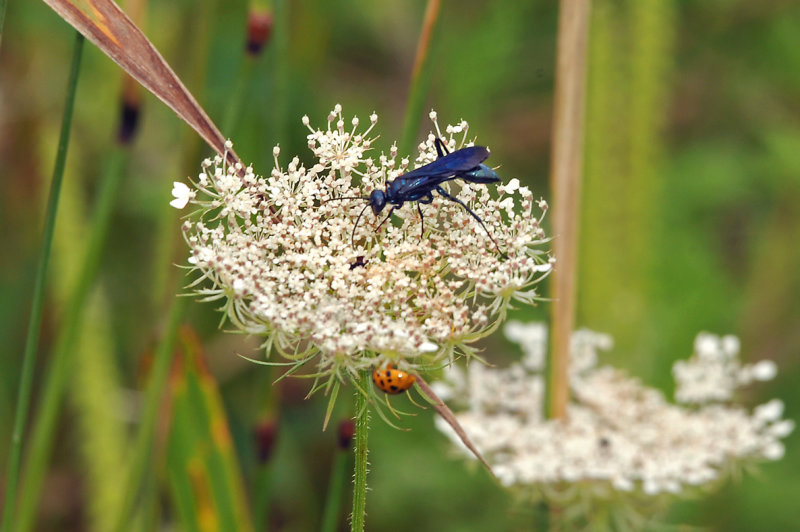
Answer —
128 123
259 30
347 429
266 433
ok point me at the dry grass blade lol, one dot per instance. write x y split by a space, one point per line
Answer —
451 419
110 29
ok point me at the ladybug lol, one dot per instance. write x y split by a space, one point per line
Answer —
392 380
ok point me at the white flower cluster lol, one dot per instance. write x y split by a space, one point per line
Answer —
713 373
618 435
278 251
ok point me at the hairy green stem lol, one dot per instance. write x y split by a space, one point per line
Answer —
360 475
139 464
35 320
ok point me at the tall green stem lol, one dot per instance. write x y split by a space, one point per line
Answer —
360 476
35 320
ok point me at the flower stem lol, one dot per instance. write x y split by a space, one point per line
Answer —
360 476
35 320
565 177
420 76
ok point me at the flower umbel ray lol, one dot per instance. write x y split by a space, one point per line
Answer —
277 250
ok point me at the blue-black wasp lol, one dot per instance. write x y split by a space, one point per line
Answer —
419 184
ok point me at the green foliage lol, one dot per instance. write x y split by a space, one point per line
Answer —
201 463
690 222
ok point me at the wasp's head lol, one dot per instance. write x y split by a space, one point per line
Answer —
377 199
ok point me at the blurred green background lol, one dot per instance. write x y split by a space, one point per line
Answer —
690 222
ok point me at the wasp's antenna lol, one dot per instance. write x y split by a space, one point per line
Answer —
353 234
345 198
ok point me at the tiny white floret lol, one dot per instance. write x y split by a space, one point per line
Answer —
182 194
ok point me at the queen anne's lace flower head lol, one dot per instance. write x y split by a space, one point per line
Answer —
277 250
621 441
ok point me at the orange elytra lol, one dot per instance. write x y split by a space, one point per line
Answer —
392 380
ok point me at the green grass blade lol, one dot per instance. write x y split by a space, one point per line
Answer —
202 463
140 463
35 321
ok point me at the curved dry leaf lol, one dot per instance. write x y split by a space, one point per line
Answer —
451 420
110 29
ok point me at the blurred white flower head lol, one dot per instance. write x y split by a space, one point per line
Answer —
619 435
277 251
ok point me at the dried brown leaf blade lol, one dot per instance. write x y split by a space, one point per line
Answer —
451 420
110 29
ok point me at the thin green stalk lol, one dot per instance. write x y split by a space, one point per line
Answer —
61 362
263 494
102 435
239 96
35 320
279 104
2 17
360 476
267 433
333 504
140 461
421 76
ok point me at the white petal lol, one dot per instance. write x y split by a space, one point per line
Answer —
774 451
771 411
179 203
782 428
765 370
181 193
428 347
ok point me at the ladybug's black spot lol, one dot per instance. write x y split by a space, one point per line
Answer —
388 373
394 388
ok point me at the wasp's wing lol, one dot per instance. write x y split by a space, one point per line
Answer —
422 180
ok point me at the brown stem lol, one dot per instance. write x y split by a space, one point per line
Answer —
565 178
424 44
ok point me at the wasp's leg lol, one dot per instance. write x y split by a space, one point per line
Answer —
441 149
441 191
384 220
426 200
